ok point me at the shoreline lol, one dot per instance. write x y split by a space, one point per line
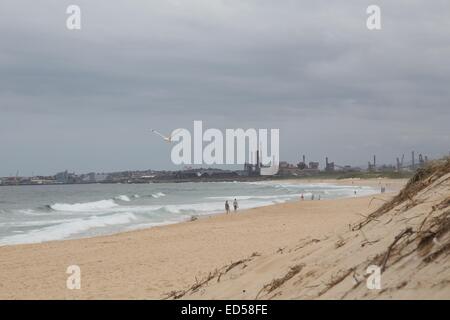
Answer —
149 263
392 185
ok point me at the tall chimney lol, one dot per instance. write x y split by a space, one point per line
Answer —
374 161
304 159
257 158
413 160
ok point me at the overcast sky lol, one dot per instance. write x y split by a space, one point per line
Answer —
85 100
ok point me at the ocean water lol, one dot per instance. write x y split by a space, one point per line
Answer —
30 214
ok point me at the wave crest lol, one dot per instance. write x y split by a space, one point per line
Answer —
85 207
158 195
123 197
66 229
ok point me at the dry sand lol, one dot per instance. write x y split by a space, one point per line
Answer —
149 264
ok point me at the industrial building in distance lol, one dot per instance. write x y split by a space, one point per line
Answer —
250 172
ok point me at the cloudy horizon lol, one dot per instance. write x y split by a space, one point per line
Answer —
85 100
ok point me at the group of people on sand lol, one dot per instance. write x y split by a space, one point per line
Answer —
235 205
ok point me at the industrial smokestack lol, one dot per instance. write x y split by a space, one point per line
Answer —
304 159
257 158
413 159
374 161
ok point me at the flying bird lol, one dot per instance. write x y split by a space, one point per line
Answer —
168 139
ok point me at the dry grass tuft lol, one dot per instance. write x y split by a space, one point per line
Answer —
235 264
276 283
336 279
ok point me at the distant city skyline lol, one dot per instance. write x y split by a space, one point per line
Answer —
85 100
407 160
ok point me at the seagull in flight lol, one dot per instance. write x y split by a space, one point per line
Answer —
168 139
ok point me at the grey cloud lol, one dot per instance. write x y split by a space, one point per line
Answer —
84 100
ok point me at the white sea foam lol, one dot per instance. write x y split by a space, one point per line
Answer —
21 224
158 195
31 212
197 208
214 207
281 196
152 224
85 207
66 229
123 197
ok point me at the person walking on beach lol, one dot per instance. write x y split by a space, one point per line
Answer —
235 205
227 207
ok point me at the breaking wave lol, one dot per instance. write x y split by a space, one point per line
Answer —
85 207
123 198
66 229
158 195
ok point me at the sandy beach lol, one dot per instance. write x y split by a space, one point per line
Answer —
149 264
224 150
